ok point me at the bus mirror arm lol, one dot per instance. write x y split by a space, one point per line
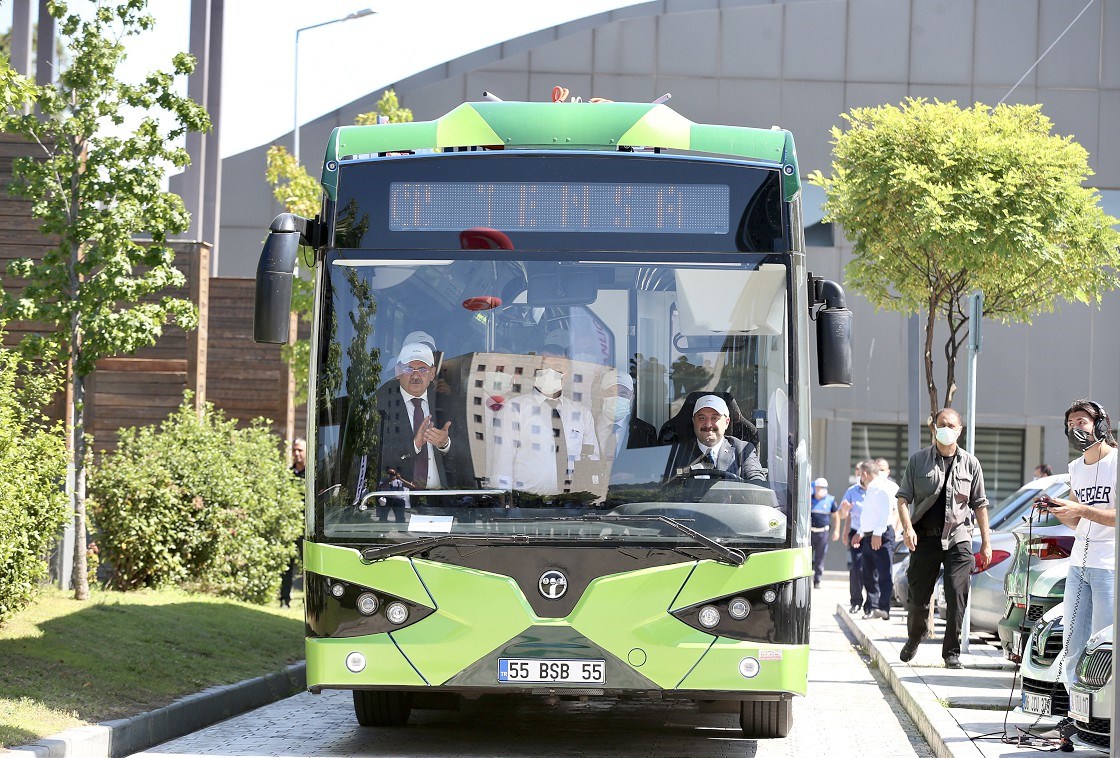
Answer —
834 332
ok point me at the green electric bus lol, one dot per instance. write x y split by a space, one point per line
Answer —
518 308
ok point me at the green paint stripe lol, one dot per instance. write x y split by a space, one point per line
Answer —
395 575
714 580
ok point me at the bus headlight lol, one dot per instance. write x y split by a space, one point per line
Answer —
738 608
709 616
338 589
769 596
397 613
367 604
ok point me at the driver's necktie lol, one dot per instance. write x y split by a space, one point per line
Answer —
712 458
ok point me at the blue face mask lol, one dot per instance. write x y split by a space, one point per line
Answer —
616 408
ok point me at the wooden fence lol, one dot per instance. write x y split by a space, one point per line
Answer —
218 362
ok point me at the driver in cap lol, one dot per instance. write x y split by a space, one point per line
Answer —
715 449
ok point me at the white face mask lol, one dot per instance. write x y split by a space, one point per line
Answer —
549 381
947 435
616 408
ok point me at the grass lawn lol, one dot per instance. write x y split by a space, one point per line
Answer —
65 663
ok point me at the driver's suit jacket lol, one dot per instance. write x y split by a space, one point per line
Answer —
733 455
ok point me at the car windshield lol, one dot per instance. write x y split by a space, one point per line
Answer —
540 392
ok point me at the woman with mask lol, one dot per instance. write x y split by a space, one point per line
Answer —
1091 511
940 498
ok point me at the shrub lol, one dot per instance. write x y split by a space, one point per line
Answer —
197 501
32 472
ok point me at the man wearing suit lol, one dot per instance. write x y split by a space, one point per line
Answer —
412 441
715 450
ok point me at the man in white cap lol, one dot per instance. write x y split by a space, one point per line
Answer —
824 517
715 449
540 436
412 440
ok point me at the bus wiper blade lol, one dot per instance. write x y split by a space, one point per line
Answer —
414 546
730 555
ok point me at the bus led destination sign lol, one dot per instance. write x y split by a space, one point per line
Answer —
559 207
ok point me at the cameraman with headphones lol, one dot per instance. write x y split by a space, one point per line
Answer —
1091 512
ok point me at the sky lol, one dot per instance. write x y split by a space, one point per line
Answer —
337 63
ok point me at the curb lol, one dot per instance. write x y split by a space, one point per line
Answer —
121 737
937 726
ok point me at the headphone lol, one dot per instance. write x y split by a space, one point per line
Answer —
1101 430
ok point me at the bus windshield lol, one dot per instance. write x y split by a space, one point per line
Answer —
492 395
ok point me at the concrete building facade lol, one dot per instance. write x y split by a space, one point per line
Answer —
800 65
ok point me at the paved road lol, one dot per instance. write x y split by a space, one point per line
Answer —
848 712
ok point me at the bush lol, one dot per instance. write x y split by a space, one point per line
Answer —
197 501
33 506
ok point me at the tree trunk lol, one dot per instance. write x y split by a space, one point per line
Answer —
81 571
931 384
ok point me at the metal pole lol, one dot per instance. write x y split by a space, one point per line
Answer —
295 74
914 382
975 316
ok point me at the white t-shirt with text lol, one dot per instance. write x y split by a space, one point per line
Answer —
1094 485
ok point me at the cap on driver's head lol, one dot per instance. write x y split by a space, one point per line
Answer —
414 351
821 482
714 402
422 337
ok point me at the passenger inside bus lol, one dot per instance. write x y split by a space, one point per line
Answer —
543 439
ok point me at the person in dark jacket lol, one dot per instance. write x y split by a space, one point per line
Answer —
939 500
299 469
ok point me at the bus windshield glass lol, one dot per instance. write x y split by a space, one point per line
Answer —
486 394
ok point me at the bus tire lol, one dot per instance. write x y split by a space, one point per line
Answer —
380 708
765 719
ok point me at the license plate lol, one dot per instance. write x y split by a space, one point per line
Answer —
551 671
1034 703
1079 705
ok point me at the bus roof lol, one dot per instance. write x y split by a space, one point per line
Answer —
566 126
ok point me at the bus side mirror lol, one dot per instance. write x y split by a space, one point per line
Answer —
834 334
273 301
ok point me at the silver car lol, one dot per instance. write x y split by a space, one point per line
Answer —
1092 691
1043 691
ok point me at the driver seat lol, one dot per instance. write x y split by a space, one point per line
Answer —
677 431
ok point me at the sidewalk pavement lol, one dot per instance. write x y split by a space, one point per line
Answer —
962 713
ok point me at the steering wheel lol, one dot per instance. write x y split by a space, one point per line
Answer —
683 477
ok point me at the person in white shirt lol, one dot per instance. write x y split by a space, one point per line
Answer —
540 436
877 538
1091 511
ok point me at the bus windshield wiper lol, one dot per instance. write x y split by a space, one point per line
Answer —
730 555
413 546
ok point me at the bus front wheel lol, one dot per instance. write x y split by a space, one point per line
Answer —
378 708
764 719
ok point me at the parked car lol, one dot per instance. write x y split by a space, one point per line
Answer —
1092 691
1044 692
989 597
1036 575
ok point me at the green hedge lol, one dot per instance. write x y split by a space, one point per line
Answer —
197 501
32 471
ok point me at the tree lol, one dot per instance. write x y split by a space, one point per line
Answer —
300 193
98 292
939 201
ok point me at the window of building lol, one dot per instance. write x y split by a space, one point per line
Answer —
999 449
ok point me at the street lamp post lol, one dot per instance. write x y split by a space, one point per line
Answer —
295 96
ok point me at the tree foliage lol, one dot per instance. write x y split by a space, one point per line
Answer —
97 188
300 193
939 201
32 469
197 501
